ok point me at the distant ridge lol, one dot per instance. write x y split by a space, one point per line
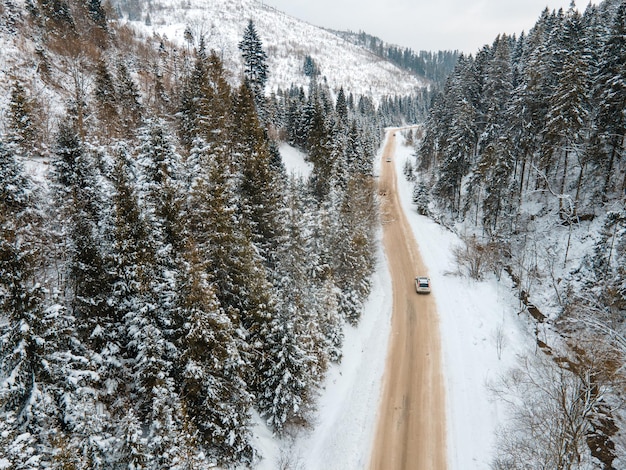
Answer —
434 66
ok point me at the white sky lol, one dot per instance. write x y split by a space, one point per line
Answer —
426 24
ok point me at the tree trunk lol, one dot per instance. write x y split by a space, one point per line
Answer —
563 181
609 166
579 184
569 239
522 174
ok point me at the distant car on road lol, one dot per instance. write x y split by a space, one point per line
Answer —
422 285
388 159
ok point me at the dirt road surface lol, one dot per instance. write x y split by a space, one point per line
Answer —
411 426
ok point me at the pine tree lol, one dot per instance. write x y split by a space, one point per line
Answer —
458 135
258 184
81 208
90 390
526 111
499 162
496 92
212 376
160 185
326 294
341 107
22 362
568 114
428 149
132 450
358 158
296 128
255 64
134 251
421 198
298 352
354 153
611 92
309 68
607 264
92 356
172 438
21 126
97 13
188 114
351 239
129 98
59 16
140 308
215 112
156 327
161 95
318 145
285 386
32 335
69 319
106 97
232 261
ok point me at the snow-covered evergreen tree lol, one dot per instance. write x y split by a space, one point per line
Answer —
610 90
255 65
106 96
80 206
21 126
258 183
23 330
211 369
38 360
128 97
298 351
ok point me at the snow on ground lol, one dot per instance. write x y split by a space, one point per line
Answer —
294 161
472 315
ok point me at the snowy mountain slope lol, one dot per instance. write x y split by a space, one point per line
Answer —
287 42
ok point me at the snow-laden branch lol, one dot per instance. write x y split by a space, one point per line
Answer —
618 339
564 197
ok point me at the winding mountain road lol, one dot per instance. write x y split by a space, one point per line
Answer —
411 428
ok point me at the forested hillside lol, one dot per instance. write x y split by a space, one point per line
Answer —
524 154
162 277
289 42
433 66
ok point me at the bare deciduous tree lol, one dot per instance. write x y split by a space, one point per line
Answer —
474 258
554 403
499 337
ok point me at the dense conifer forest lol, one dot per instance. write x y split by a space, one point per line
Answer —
537 119
162 277
524 153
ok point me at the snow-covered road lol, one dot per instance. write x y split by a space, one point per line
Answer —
411 425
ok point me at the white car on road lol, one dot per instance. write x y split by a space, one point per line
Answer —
422 285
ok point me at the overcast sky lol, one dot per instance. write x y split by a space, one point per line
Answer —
431 25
